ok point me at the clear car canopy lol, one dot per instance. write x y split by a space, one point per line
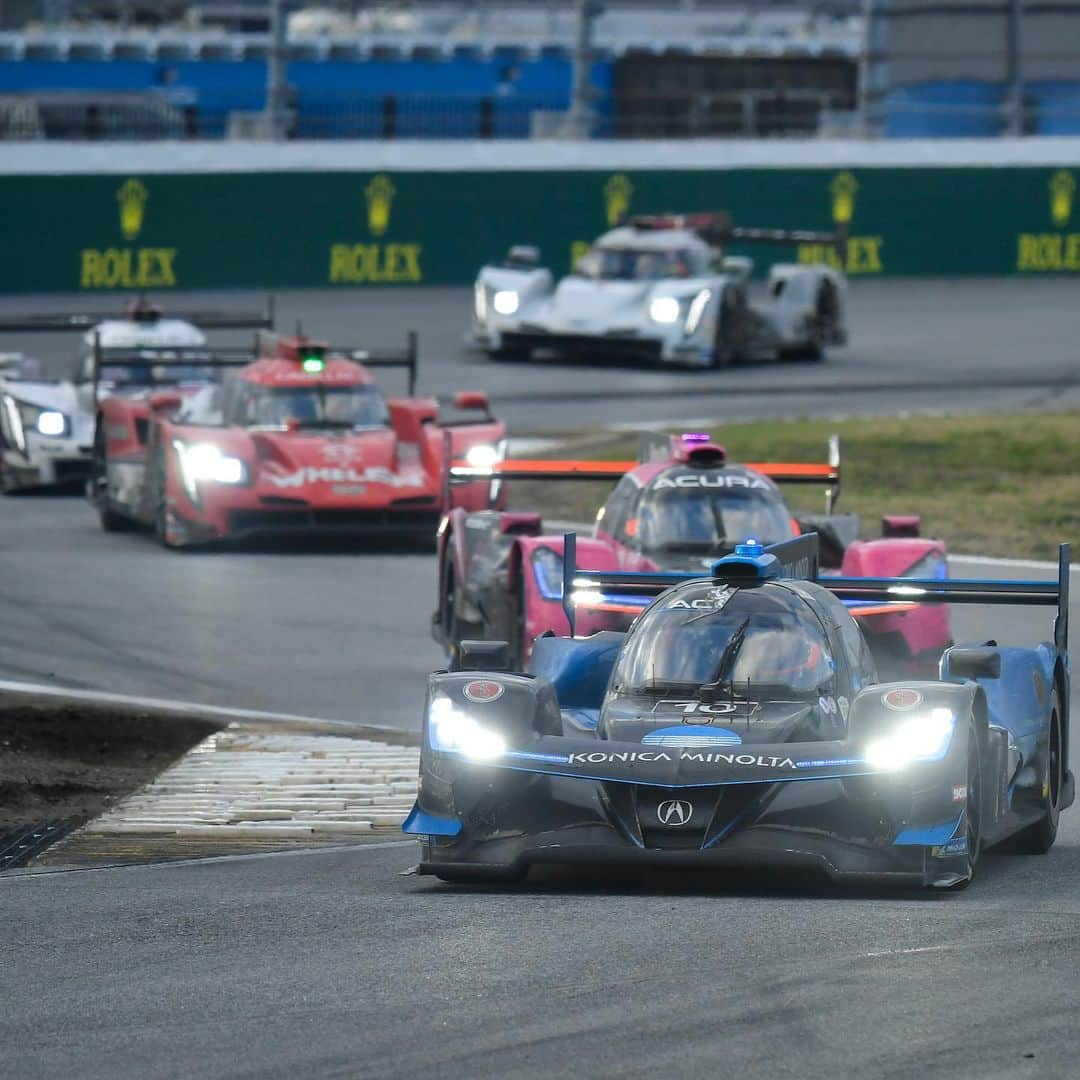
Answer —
710 520
678 643
316 406
629 264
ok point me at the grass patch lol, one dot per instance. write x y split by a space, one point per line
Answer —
996 484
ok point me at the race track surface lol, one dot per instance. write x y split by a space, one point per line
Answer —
333 964
995 343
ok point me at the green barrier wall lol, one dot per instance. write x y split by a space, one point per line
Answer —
267 229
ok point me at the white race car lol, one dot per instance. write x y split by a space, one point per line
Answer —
47 426
661 288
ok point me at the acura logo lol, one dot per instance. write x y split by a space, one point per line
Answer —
674 812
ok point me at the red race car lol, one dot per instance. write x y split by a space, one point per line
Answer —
680 508
295 439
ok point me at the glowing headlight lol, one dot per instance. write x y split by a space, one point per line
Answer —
205 462
50 422
482 456
452 730
664 309
548 571
17 417
697 310
505 302
922 738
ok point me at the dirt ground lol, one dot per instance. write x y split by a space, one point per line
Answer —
69 763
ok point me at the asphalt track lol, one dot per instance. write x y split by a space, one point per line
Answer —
994 343
333 964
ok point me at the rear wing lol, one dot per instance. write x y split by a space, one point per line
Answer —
541 469
149 367
630 593
214 319
660 447
968 591
717 228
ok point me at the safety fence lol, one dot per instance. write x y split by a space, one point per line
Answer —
313 227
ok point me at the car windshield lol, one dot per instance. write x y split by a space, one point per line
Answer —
630 264
312 406
757 639
710 520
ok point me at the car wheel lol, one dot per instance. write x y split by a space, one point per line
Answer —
725 348
510 356
1038 839
974 806
454 628
111 521
486 876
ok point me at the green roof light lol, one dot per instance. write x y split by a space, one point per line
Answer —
313 364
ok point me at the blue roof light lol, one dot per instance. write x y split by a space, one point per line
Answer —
750 548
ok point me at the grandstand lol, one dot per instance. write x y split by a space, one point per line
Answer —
504 69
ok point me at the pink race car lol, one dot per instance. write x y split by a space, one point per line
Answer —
681 507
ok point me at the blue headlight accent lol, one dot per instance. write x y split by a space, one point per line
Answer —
547 566
933 836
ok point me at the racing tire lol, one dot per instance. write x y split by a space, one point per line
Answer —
725 350
1038 838
111 521
487 876
455 630
973 807
510 356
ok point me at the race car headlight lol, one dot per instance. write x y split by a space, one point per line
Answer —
922 738
452 730
547 566
665 309
505 302
11 423
697 310
200 462
482 456
480 298
18 417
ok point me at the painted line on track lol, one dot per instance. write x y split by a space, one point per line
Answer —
50 872
209 712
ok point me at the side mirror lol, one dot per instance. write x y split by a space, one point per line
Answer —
165 402
974 663
483 656
472 399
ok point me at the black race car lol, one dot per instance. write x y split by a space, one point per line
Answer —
740 722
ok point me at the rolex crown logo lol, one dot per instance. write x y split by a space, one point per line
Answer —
132 198
844 188
380 197
1062 190
618 192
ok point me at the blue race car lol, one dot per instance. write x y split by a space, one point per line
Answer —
740 722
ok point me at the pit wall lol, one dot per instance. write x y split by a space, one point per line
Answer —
129 216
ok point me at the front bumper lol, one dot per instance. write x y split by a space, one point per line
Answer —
611 346
894 830
259 522
45 465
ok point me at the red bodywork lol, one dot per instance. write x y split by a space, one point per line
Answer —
295 479
904 632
